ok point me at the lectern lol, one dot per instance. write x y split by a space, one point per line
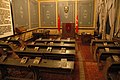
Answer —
68 30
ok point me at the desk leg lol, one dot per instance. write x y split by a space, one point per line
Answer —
95 54
36 74
4 72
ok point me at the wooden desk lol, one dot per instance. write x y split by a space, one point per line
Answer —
42 52
86 38
54 45
103 55
56 40
102 46
4 44
55 52
93 42
14 63
42 34
54 66
111 66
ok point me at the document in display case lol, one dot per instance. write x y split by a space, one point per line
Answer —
24 60
6 25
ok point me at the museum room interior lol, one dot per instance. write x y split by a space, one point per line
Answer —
59 39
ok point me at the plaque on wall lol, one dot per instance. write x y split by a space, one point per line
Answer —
6 26
34 17
20 13
66 11
48 14
85 13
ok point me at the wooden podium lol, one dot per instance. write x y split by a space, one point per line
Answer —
68 30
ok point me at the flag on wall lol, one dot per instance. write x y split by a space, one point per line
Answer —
76 24
58 23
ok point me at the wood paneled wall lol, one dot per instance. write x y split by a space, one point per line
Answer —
86 18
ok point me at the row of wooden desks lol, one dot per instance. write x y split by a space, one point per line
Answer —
105 53
56 40
52 45
54 54
58 48
45 65
102 46
57 56
49 48
53 42
94 42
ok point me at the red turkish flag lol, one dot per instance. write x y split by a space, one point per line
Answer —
58 23
76 24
